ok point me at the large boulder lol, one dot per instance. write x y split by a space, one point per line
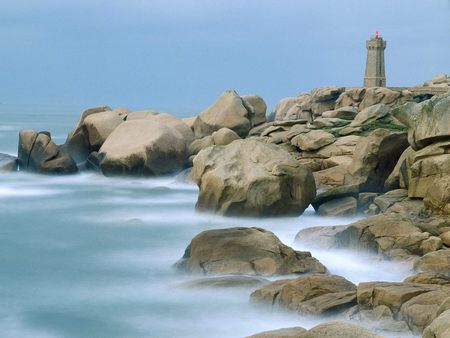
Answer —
438 195
428 122
229 111
436 261
8 163
258 109
383 95
371 113
311 294
345 113
143 147
293 108
224 136
77 142
99 126
374 158
38 153
324 99
252 178
428 278
343 206
250 251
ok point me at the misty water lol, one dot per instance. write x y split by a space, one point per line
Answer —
90 256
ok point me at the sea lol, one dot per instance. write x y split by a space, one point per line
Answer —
89 256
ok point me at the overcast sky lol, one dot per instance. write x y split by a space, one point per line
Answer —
179 55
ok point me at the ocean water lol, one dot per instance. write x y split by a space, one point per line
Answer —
90 256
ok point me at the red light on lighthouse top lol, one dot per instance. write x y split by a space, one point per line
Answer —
376 35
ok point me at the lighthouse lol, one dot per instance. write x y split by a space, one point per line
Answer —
375 76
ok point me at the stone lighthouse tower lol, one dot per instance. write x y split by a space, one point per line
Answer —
375 76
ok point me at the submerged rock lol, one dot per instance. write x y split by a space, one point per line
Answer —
250 251
252 178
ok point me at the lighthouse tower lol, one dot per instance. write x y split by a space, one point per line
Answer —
375 76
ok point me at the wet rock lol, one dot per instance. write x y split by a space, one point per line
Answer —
323 237
8 163
143 147
258 108
291 332
428 122
313 140
38 153
224 136
252 178
312 294
250 251
437 261
344 206
229 111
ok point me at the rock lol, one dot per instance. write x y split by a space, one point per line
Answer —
335 193
258 107
437 261
428 278
292 108
323 237
38 153
189 121
77 142
251 251
374 158
344 206
291 332
428 165
351 97
345 113
8 163
437 197
371 113
226 282
365 199
342 146
383 233
224 136
439 327
324 98
311 294
252 178
338 330
390 198
99 126
399 177
228 111
166 119
198 144
327 122
331 177
420 311
431 244
380 95
428 122
445 237
143 147
313 140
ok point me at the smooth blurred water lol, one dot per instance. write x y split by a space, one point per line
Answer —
89 256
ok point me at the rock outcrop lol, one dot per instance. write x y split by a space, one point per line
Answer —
250 251
38 153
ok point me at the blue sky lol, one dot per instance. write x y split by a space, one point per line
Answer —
179 55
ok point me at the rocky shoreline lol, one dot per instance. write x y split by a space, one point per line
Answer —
372 151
